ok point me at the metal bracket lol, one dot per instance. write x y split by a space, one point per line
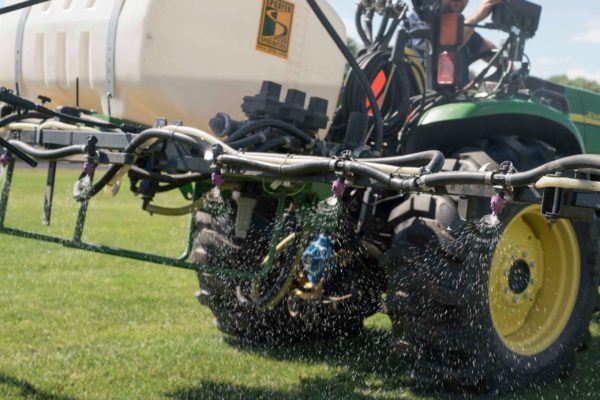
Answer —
111 44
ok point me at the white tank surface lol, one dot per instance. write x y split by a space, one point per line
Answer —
183 59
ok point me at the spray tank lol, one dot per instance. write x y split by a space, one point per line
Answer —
184 60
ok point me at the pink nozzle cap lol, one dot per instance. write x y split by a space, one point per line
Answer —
497 204
338 188
217 179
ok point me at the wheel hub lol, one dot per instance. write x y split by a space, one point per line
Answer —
519 277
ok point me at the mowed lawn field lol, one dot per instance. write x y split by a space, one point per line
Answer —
76 325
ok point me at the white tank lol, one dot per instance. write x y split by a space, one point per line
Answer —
180 59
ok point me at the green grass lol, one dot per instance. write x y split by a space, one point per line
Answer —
75 325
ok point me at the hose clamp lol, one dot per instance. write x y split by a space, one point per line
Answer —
489 177
508 182
422 186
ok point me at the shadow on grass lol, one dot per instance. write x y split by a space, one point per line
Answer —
369 369
341 386
369 354
28 391
367 365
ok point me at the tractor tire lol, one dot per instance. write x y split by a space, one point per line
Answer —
484 307
235 314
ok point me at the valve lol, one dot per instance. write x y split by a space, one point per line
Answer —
317 259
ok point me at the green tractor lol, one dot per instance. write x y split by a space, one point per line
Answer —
468 214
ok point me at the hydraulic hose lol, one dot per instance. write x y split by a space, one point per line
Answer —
200 135
275 143
51 155
305 168
519 179
381 172
571 163
454 178
66 127
282 159
253 140
135 144
567 183
359 27
356 68
141 173
177 211
20 117
270 123
434 159
394 107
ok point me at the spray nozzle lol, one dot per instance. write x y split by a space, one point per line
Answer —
217 179
497 204
82 189
338 187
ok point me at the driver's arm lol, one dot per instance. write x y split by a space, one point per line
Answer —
483 11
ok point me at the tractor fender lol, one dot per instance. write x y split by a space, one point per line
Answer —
449 126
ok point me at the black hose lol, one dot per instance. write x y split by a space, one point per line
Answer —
368 171
359 27
9 119
255 139
453 178
383 26
519 179
308 168
270 123
484 71
577 162
390 34
18 6
275 143
141 173
133 146
356 68
432 159
75 120
434 180
51 155
19 102
395 105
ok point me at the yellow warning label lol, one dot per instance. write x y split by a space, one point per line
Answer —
275 28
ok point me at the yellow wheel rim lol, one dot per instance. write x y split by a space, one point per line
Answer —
534 281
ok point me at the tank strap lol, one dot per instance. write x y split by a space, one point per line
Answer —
19 50
111 45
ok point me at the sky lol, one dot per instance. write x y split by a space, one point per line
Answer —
567 42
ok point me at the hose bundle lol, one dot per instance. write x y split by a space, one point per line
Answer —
390 78
392 87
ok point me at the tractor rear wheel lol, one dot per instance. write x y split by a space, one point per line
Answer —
353 293
479 306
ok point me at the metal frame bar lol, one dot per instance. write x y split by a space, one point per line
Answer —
77 243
